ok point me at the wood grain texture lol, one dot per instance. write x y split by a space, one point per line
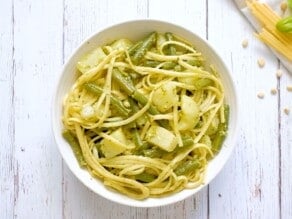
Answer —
251 176
194 18
38 55
6 114
80 21
285 147
36 37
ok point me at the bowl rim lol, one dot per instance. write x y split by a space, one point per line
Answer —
139 203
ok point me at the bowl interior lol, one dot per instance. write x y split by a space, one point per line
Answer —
135 30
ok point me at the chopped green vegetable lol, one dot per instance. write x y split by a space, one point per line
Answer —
136 137
143 48
203 82
124 81
290 3
187 167
206 140
153 152
221 132
285 25
134 48
168 65
145 177
119 106
70 138
187 141
126 85
170 48
151 63
197 63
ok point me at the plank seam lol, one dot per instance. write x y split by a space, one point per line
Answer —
12 119
279 144
207 36
63 60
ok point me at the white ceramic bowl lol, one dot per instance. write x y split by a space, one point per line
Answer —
135 30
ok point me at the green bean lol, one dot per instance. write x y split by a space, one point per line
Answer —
70 138
218 141
153 152
144 47
226 114
170 48
140 150
168 65
152 109
197 63
221 133
203 82
151 63
187 167
143 101
137 139
145 177
124 81
128 87
134 48
187 141
134 109
119 106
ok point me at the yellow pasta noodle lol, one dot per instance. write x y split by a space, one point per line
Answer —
269 34
145 118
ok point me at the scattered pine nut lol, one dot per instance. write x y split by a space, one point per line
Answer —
284 6
286 111
289 88
273 91
244 43
261 62
261 95
279 73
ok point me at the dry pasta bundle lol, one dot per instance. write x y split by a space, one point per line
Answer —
145 118
282 42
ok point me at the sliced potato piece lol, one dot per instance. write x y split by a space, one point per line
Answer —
91 60
165 96
161 138
114 144
122 44
189 113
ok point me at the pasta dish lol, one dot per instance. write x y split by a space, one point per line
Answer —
146 117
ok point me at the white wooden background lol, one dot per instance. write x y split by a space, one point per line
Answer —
37 36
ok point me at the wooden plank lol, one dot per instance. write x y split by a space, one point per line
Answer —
85 23
81 21
187 13
192 15
6 109
38 58
248 185
285 140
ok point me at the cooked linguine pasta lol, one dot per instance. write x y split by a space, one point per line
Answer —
146 117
